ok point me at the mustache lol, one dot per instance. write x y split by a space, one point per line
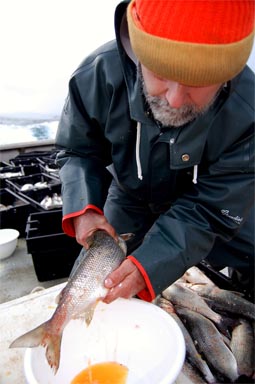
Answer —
167 115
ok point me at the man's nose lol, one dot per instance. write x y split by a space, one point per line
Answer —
176 95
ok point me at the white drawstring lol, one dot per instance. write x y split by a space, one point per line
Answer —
194 180
138 161
137 151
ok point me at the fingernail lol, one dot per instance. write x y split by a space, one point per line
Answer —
108 283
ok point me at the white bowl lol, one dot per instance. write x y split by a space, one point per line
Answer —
8 242
132 332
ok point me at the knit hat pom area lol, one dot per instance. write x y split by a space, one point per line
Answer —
193 42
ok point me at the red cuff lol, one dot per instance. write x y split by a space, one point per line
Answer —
67 221
148 293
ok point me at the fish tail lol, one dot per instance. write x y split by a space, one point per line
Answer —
42 335
53 351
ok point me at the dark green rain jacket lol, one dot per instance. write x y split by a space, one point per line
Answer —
204 170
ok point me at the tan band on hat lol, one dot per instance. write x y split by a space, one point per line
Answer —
189 63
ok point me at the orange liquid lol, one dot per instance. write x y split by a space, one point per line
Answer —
102 373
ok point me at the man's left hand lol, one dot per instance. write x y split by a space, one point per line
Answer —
125 281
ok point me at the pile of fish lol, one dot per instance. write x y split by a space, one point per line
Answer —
51 202
218 329
8 175
38 185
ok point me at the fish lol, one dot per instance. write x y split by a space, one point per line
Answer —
227 301
184 296
52 202
27 187
189 375
85 287
242 346
41 185
191 352
210 343
195 276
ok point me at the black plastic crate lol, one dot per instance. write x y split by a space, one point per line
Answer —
14 211
17 183
4 164
50 168
9 172
32 157
37 198
36 195
21 160
31 169
53 252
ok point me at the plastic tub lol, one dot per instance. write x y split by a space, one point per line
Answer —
132 332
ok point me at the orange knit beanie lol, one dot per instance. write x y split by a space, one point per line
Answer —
194 42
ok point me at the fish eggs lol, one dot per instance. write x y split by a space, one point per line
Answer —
102 373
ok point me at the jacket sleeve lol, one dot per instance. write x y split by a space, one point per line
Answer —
215 207
85 152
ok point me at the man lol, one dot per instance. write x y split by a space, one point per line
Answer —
168 110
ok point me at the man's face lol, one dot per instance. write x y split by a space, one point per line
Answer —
174 104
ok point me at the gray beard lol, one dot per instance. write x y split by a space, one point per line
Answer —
169 116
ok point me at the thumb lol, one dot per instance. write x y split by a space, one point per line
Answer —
118 275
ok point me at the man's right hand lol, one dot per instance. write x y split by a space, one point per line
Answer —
88 223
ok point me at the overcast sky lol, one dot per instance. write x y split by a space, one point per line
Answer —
42 43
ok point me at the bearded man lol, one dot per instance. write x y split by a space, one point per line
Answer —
156 138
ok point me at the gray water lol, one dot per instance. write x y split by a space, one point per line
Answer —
20 130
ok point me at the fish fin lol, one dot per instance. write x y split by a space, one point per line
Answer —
241 294
32 338
79 259
58 298
87 316
41 336
127 236
90 313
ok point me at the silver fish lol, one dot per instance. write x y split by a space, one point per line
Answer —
41 185
195 276
79 297
226 300
27 187
189 375
192 354
210 343
242 346
180 294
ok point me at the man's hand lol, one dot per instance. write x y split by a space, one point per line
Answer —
125 281
88 223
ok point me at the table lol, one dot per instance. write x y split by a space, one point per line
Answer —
17 317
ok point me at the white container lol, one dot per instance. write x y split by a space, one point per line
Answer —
8 242
132 332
